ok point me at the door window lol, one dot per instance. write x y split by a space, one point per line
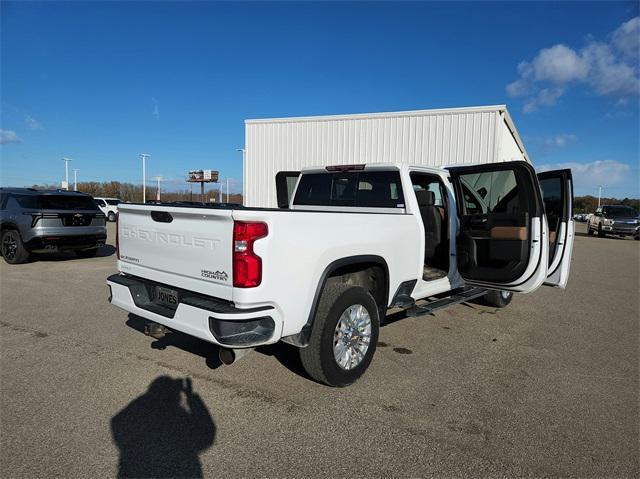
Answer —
490 192
553 204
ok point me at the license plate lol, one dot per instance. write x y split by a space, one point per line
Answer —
167 297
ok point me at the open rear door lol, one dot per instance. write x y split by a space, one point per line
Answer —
285 184
557 194
502 235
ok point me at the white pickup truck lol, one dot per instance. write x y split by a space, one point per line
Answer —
321 272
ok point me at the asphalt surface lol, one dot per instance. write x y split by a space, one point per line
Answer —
546 387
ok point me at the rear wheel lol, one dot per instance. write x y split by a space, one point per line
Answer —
589 230
344 336
13 250
86 253
497 299
111 216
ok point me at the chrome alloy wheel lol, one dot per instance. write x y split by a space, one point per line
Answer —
351 336
9 247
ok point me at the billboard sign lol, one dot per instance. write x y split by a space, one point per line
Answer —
211 175
202 176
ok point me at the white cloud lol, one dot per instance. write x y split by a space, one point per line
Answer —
8 136
560 141
559 64
587 176
626 38
544 97
608 68
32 123
609 75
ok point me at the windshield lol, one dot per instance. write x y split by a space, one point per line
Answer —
620 212
114 202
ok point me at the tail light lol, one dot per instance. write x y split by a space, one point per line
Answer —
117 238
247 266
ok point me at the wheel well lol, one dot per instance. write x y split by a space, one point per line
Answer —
7 227
370 276
367 271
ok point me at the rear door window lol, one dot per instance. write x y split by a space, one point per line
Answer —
376 189
28 201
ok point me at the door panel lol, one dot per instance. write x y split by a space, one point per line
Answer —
501 226
557 193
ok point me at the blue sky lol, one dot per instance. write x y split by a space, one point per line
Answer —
102 82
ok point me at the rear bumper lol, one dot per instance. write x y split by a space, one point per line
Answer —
207 318
65 242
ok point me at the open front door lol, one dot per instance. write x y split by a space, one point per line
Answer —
557 194
285 184
502 236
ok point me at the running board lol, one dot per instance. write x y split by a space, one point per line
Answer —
458 296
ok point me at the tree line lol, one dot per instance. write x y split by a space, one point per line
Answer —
588 204
133 193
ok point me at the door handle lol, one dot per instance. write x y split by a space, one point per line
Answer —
478 222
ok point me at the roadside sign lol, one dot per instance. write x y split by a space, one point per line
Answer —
211 175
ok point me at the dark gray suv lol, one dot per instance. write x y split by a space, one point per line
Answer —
37 221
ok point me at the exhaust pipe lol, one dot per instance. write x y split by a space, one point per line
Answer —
230 356
155 330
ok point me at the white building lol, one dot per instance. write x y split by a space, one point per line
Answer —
423 137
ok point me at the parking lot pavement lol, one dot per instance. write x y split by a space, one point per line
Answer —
546 387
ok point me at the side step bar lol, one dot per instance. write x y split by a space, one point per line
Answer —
457 296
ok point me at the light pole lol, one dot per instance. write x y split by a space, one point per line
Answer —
244 153
599 194
144 157
159 179
66 172
227 190
75 179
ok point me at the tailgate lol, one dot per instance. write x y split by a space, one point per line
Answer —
189 248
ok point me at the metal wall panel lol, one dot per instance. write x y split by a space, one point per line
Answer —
426 137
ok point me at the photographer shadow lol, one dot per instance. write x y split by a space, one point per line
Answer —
162 432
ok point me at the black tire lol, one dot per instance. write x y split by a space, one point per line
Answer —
13 250
497 299
86 253
111 216
318 357
600 232
589 230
